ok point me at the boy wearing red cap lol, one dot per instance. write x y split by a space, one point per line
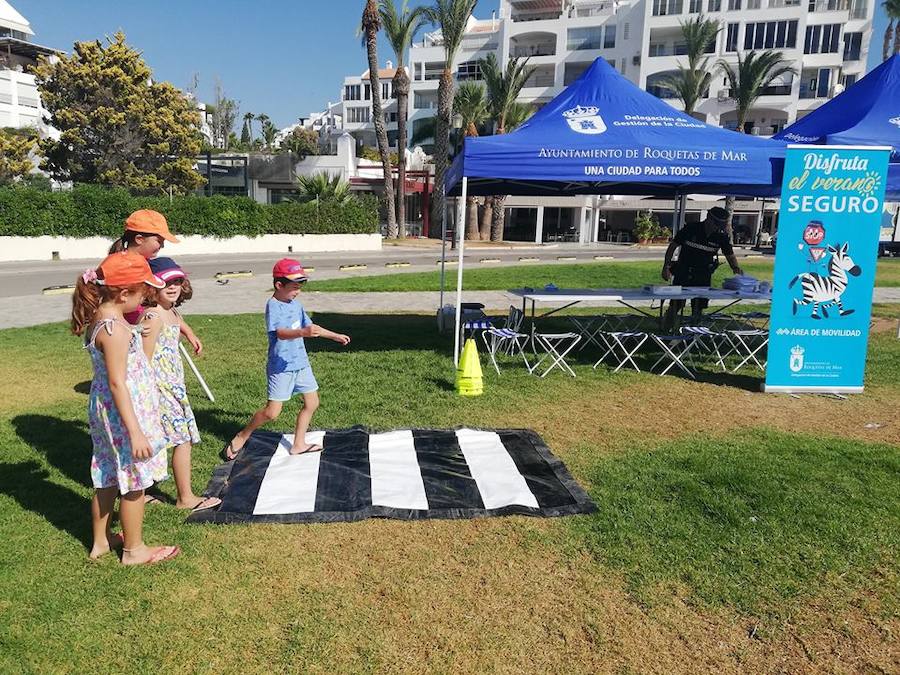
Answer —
288 370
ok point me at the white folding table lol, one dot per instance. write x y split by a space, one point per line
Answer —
628 297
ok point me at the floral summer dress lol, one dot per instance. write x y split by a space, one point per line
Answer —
112 464
178 423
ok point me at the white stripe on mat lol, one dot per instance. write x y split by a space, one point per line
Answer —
396 478
289 485
494 471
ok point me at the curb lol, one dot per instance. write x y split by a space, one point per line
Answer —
532 259
239 274
566 258
58 290
397 264
489 260
352 268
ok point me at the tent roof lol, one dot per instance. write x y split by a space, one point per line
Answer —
605 135
867 113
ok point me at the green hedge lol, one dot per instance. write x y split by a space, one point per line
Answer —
89 210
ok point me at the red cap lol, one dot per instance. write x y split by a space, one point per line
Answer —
147 221
288 268
127 269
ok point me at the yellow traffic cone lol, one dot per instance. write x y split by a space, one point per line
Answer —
468 373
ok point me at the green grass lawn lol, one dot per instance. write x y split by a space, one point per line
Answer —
721 510
586 275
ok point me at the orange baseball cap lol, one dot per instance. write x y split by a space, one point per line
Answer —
127 269
147 221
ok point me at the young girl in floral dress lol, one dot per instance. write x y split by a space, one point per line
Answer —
123 409
161 324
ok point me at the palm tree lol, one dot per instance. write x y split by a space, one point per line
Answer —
470 104
269 132
400 28
323 187
754 72
518 114
265 123
503 88
691 84
452 17
371 24
892 30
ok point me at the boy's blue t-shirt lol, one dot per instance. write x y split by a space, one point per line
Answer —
285 355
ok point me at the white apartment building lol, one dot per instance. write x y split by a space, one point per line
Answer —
20 104
356 106
826 41
327 123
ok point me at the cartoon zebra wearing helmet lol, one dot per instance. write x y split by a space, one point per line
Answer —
826 291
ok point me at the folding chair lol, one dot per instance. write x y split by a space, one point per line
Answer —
623 345
508 339
591 329
675 350
711 341
763 317
556 347
747 344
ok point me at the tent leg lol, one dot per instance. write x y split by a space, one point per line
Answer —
460 229
680 213
443 254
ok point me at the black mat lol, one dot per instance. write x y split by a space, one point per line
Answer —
406 474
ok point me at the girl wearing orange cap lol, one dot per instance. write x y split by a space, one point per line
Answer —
123 409
146 232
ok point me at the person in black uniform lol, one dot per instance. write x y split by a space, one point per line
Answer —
699 245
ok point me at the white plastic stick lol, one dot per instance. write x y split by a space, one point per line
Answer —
190 362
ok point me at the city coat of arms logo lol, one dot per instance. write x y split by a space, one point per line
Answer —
796 361
585 120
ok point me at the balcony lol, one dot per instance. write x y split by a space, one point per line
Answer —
667 49
543 76
829 5
597 9
533 44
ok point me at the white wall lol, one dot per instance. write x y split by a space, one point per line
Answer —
41 248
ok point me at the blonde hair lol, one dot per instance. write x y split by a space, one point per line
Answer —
88 297
151 299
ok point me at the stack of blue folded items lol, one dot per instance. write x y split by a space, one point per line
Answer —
742 282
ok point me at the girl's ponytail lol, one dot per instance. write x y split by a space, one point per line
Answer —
85 301
127 239
118 245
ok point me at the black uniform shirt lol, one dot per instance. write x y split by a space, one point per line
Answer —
698 249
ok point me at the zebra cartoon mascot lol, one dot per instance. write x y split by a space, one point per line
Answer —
826 291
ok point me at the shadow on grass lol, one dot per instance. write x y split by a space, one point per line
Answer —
384 332
220 424
83 387
65 444
30 485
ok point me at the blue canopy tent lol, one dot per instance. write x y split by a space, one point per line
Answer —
605 135
867 113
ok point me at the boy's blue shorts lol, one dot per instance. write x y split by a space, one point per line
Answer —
282 386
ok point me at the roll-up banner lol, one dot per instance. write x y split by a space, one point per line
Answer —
828 230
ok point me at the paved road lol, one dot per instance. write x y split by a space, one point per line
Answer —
20 279
22 302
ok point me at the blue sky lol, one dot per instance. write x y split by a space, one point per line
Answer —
285 58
